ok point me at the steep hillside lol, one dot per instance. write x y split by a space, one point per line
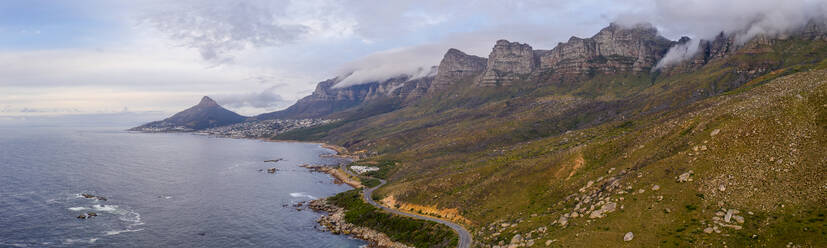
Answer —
514 156
760 153
206 114
328 98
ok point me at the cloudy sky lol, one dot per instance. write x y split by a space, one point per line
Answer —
86 57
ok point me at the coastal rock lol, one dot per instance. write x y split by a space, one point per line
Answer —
90 196
456 66
335 223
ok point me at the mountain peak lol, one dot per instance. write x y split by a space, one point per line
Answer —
456 65
207 101
205 115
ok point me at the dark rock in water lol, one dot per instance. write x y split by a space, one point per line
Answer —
91 196
82 216
202 234
274 160
92 214
271 170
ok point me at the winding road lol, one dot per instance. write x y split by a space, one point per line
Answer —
464 237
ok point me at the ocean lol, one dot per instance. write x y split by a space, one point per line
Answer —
161 190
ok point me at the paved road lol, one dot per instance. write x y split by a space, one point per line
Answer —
464 237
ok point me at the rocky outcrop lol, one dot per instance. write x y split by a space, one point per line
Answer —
96 197
335 223
612 50
507 62
615 49
456 66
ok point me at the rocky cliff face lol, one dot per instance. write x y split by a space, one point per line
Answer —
612 50
206 114
727 44
456 66
507 62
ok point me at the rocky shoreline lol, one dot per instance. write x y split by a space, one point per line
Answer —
335 222
336 173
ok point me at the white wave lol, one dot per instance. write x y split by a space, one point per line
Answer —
13 245
167 197
116 232
107 208
78 208
302 195
133 217
72 241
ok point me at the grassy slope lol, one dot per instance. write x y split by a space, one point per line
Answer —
508 154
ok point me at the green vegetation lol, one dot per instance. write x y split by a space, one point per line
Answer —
384 167
310 133
752 127
419 233
369 182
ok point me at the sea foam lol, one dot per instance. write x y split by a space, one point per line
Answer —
302 195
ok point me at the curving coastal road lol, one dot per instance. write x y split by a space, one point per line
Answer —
464 237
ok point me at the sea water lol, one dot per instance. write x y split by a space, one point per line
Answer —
161 190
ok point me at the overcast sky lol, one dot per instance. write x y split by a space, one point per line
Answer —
255 56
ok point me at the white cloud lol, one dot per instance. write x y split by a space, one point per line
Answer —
176 52
704 19
411 61
678 53
217 28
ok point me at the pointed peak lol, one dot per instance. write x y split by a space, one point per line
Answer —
207 101
454 51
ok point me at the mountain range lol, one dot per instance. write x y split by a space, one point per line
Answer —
599 137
